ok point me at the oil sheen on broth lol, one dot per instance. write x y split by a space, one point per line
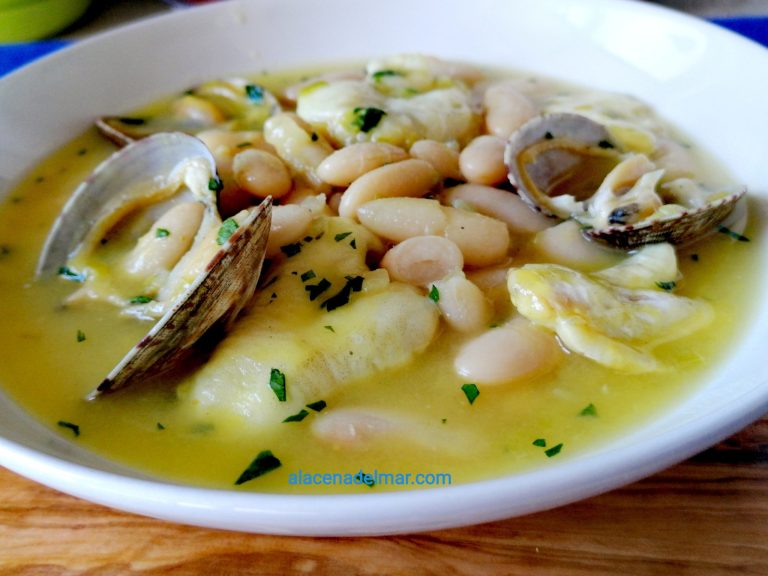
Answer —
391 346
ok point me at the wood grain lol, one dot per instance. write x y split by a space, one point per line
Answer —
707 516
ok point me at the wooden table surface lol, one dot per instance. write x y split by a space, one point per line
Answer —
706 516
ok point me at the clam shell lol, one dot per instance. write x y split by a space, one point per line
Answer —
563 153
685 228
147 163
211 303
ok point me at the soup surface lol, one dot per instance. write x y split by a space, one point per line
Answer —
398 331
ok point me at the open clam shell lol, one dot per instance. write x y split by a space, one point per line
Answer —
212 302
206 286
566 165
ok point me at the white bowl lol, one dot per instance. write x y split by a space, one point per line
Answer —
709 81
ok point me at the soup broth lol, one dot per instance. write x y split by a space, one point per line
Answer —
409 417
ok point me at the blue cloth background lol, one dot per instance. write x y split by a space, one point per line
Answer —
14 55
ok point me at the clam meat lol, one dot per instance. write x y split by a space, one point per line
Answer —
567 165
143 233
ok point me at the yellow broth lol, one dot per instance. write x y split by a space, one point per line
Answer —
52 356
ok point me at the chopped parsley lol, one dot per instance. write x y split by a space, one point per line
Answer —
555 450
160 426
330 328
589 410
132 121
548 136
471 392
316 289
291 249
380 74
69 274
226 230
735 235
353 284
604 144
670 285
162 233
215 184
308 275
74 427
5 250
80 336
341 235
298 417
263 463
141 299
317 406
366 119
434 294
277 383
695 257
255 93
540 442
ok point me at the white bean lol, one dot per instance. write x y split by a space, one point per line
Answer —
443 158
289 224
412 177
482 240
261 174
515 352
506 109
301 148
564 244
463 305
482 161
197 109
398 219
423 260
500 204
166 242
346 165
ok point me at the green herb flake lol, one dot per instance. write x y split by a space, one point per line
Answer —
74 427
69 274
381 74
471 392
554 451
317 406
162 233
366 119
277 383
298 417
215 184
130 121
226 230
291 249
255 93
434 294
244 145
316 289
695 257
308 275
314 137
160 426
341 235
735 235
589 410
353 284
141 299
548 136
670 285
5 250
330 328
263 463
540 442
80 336
353 244
605 145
